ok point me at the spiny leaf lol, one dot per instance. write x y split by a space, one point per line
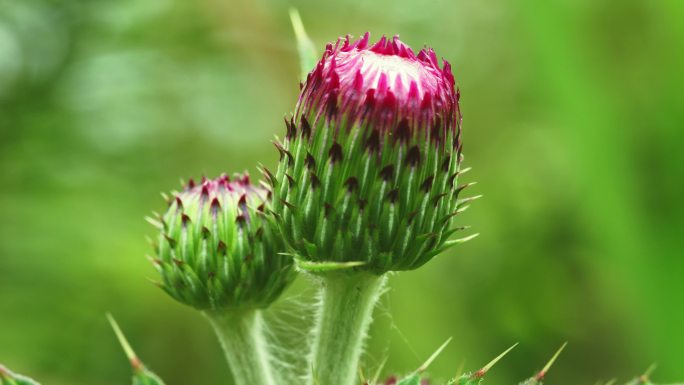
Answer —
476 377
141 375
434 355
414 378
649 371
493 362
536 379
644 379
9 378
548 365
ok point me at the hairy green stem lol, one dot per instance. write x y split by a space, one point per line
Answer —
244 344
345 313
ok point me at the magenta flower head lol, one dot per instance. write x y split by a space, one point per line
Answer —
385 87
370 161
216 247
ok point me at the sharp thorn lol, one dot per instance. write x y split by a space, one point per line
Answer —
461 368
132 357
376 377
480 373
543 372
644 378
434 355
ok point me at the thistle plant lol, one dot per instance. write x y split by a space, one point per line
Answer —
367 182
218 253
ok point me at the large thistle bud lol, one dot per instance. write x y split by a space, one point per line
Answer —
216 248
369 166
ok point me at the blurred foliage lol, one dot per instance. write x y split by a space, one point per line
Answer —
573 123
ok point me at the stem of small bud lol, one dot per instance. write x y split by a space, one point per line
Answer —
244 345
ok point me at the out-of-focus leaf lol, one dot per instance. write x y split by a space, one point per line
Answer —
9 378
308 56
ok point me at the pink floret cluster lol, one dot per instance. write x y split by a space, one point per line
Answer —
385 85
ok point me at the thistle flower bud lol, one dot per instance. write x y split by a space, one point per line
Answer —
369 166
216 249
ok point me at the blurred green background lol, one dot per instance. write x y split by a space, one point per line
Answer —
573 117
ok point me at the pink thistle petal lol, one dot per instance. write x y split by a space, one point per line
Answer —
363 42
386 81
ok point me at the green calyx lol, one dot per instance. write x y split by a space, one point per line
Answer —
216 248
376 198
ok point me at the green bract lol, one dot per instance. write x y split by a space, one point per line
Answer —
369 167
216 249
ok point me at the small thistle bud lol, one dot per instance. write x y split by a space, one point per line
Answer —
216 249
370 162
